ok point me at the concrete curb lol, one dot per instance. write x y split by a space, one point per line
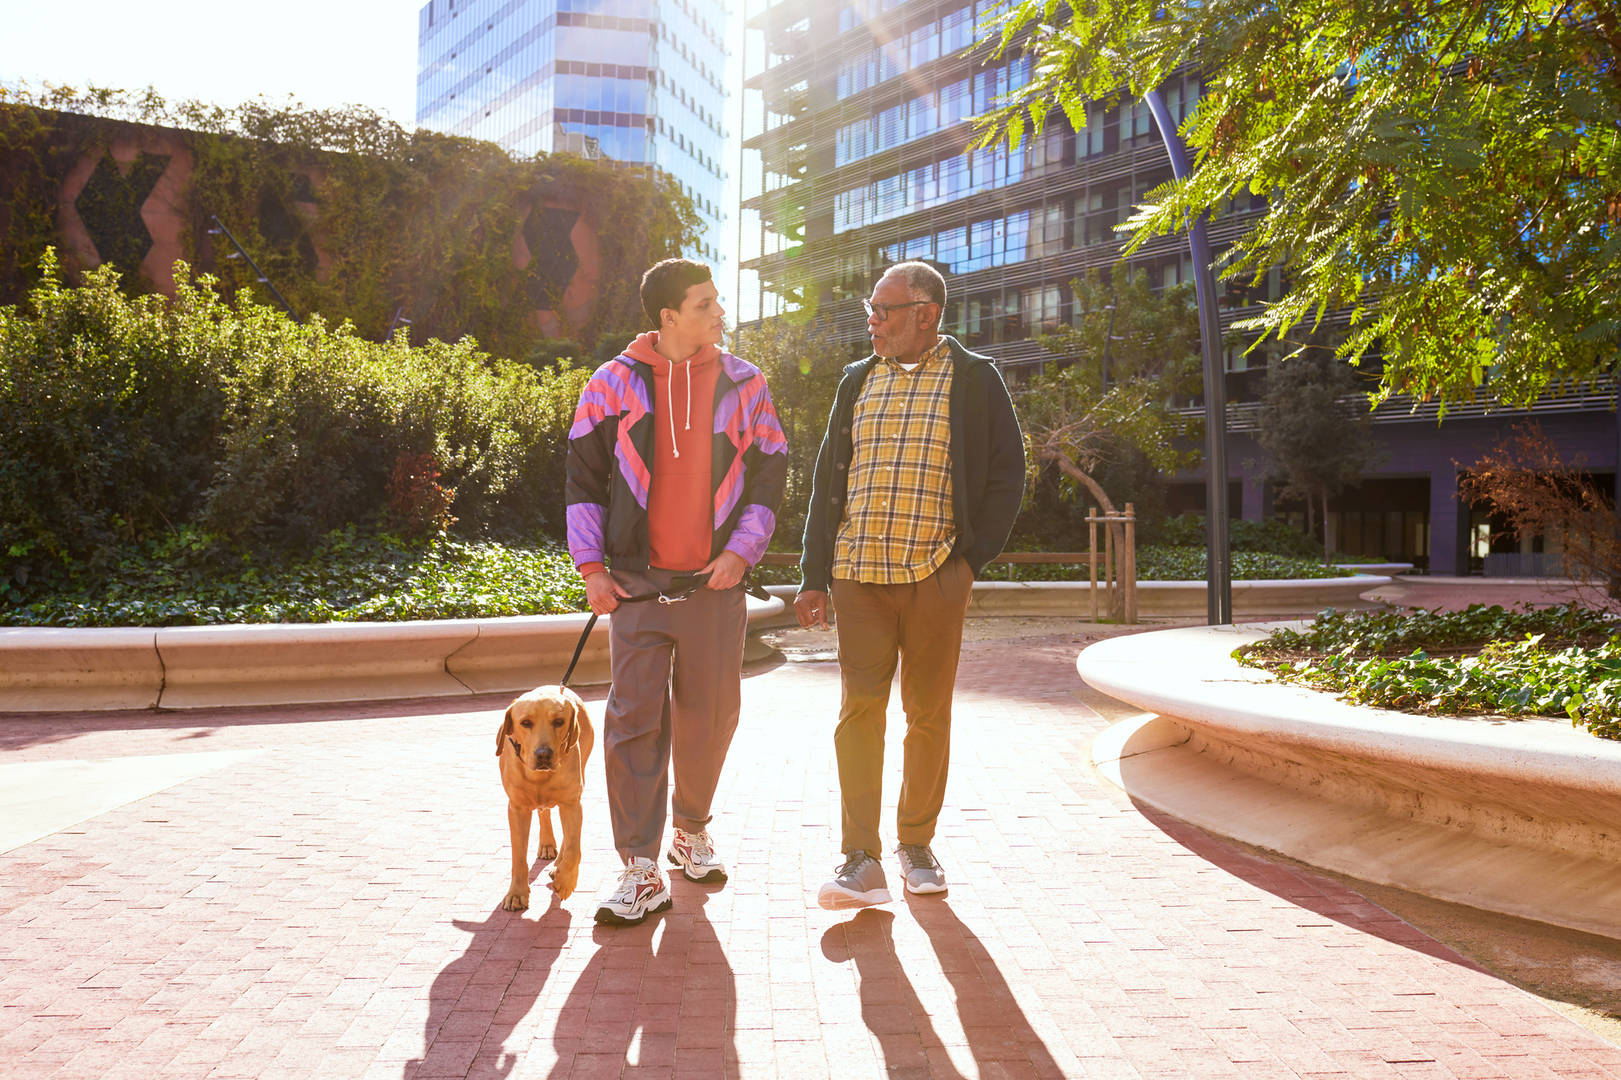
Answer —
1168 598
58 670
1516 816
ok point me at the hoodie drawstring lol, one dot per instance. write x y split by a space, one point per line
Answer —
673 445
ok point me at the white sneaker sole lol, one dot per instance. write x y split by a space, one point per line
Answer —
832 898
714 874
607 916
929 888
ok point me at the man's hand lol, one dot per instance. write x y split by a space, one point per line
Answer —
725 570
813 609
602 592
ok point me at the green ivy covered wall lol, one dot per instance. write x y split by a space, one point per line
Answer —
350 216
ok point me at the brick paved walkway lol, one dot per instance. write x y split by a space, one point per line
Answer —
323 901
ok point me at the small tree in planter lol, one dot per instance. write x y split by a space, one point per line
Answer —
1524 478
1317 434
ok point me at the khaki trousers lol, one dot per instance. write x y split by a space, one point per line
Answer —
919 627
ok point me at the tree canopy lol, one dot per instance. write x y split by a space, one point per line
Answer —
1130 353
1319 439
1449 171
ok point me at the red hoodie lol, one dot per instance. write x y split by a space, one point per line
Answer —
680 519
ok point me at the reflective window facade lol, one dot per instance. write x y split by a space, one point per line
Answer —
857 154
630 80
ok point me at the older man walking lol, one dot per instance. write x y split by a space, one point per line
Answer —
917 485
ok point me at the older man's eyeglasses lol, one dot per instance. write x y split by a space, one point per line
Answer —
881 311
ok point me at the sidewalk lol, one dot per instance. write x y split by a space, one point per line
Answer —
319 897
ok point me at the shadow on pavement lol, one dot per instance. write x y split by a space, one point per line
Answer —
632 992
480 997
1302 887
999 1035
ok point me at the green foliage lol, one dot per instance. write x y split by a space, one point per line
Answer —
183 580
1450 173
1558 661
802 365
355 218
124 419
1169 563
1317 432
1102 412
1273 537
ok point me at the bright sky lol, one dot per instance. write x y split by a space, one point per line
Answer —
322 52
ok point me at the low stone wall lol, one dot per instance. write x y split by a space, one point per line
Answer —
53 670
1161 598
1521 816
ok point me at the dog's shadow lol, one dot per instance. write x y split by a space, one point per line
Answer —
479 998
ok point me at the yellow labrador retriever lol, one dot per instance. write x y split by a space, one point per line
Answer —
543 745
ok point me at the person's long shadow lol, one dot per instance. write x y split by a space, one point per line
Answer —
481 996
663 986
995 1024
890 1006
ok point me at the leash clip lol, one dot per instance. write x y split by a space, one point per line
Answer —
663 599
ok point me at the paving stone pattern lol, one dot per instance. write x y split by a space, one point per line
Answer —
330 908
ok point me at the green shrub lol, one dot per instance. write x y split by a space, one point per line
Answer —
1557 661
1273 536
123 421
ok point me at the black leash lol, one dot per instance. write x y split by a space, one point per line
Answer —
674 596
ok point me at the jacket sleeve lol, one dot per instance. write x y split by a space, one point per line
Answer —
589 468
765 472
816 555
1004 472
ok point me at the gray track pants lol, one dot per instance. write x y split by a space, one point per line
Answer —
677 690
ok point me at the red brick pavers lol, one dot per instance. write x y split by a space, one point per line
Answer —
329 907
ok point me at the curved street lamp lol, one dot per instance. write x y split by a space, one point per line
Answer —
1218 571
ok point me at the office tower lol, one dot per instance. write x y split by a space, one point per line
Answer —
639 81
856 156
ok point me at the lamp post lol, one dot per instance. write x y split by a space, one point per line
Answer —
219 229
1218 569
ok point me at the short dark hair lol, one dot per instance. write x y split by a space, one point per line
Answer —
666 283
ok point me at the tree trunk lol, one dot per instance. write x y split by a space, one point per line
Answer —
1327 555
1117 531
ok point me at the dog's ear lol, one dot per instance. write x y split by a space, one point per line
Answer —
506 730
576 713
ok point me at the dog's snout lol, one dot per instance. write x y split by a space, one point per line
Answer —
543 757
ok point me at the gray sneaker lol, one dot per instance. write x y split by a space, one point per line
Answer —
858 883
921 869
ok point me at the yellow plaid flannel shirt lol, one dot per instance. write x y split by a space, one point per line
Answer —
898 525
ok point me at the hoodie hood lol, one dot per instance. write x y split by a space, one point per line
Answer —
644 349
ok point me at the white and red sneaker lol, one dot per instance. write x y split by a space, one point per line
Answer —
641 892
695 854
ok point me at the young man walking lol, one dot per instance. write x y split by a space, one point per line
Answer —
917 484
676 464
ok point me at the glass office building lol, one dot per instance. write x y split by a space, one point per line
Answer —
632 80
857 117
856 155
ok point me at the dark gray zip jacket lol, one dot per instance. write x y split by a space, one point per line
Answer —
987 466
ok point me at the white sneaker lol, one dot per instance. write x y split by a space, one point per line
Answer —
695 854
641 892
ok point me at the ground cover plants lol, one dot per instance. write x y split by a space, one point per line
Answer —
1562 661
349 576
